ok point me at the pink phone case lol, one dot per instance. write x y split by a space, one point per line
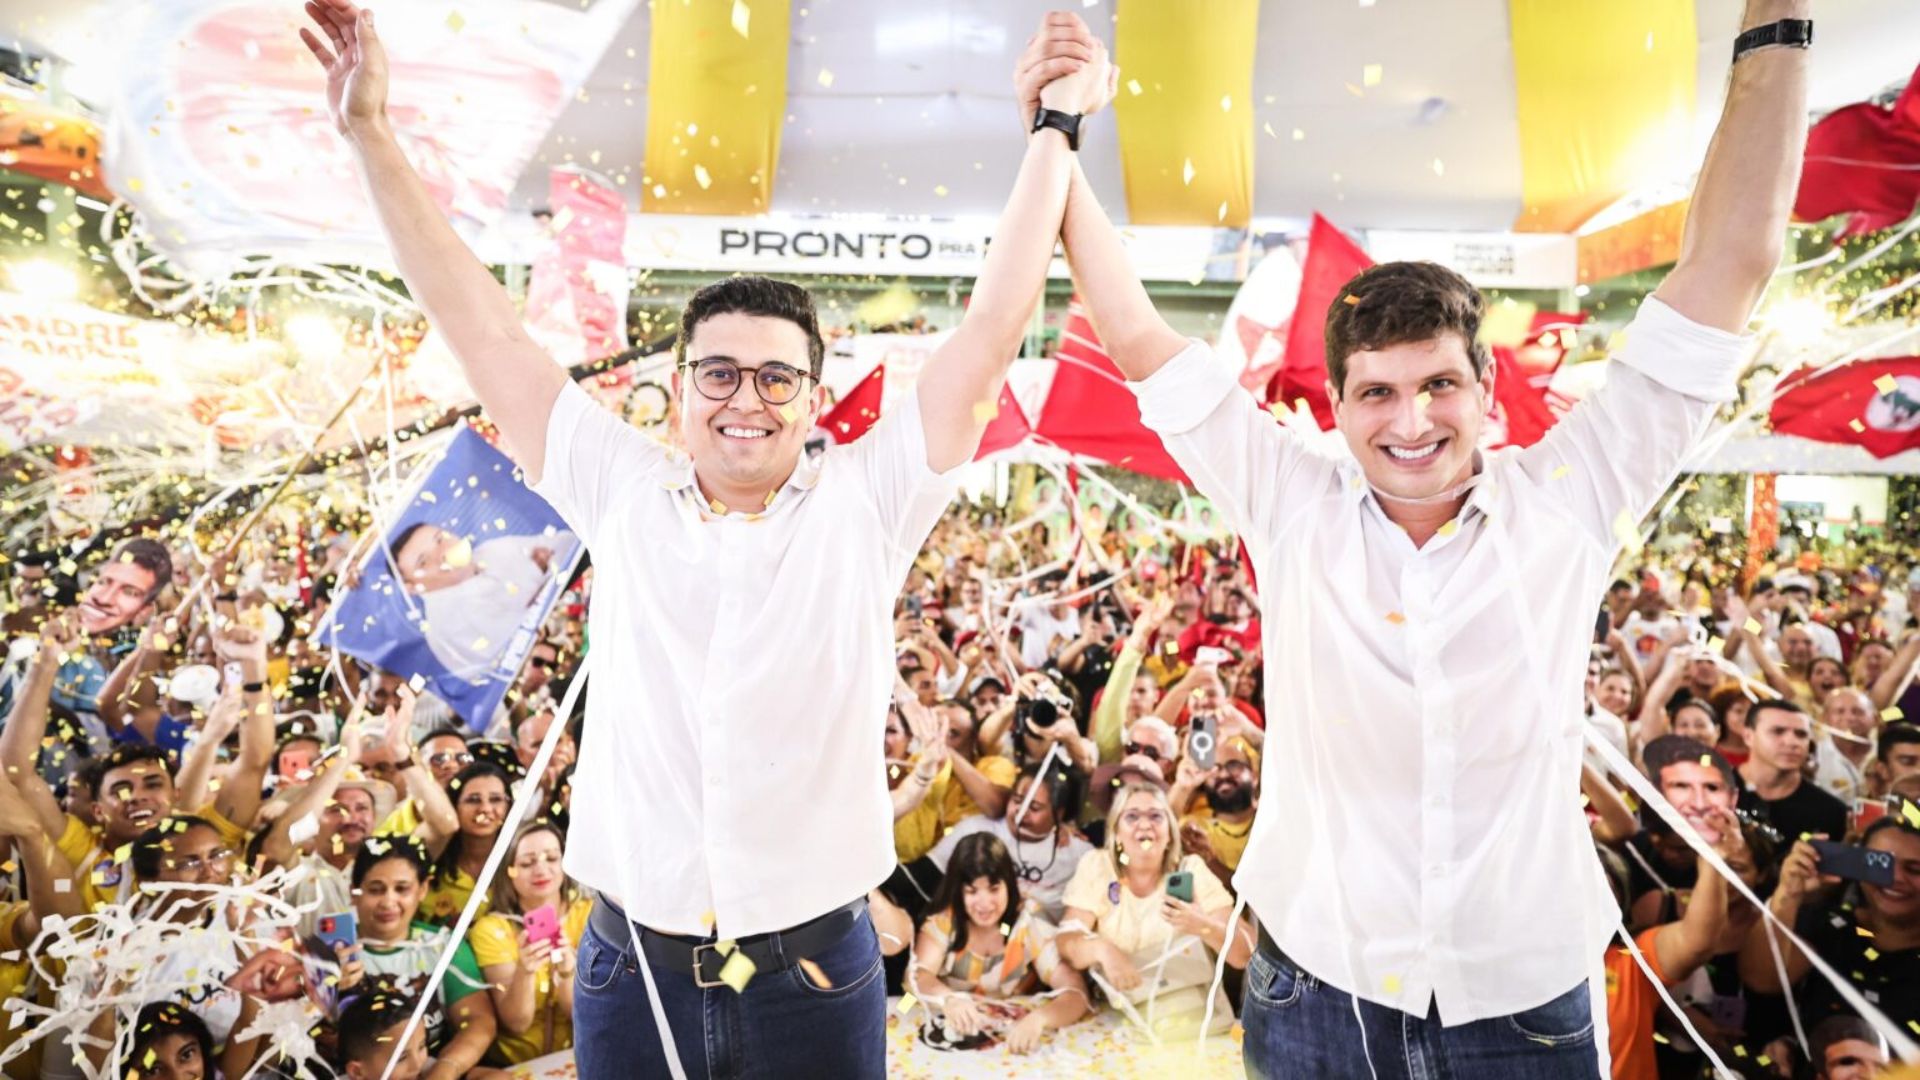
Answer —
543 922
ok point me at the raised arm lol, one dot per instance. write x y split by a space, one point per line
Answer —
1736 227
514 379
1893 682
1134 334
315 796
26 725
961 383
238 799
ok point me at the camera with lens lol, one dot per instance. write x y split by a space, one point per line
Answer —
1033 715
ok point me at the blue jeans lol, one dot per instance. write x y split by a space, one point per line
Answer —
1298 1026
781 1025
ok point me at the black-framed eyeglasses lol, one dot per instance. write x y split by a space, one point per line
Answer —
1152 752
718 379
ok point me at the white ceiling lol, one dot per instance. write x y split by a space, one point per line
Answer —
921 96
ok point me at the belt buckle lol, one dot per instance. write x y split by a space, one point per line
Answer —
699 982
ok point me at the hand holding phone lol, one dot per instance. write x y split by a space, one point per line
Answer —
1854 862
339 928
1203 740
1180 885
543 924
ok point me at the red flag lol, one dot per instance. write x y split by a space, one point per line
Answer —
855 413
1521 376
1332 261
1009 426
1864 160
1870 403
1090 411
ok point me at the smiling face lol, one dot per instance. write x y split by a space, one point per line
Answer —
1898 903
536 869
349 817
386 900
742 443
1695 723
481 805
1851 711
986 901
431 558
1412 414
133 798
1614 693
1144 829
1695 790
120 591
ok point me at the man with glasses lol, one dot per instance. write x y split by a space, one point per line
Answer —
741 613
1217 831
1037 830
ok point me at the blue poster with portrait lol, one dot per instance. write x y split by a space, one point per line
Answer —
470 567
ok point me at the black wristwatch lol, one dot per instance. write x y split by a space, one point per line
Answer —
1792 33
1066 123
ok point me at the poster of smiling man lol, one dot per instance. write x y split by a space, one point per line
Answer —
471 565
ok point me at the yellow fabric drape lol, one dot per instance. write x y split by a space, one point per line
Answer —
1604 96
1185 110
716 100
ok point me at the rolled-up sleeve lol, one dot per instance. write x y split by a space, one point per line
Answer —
1702 362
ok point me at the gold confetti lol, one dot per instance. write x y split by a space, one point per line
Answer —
815 975
737 970
985 411
1886 384
1371 75
1350 299
1559 471
741 17
1857 426
716 506
456 22
1626 529
1186 172
1891 713
1449 528
1422 399
826 77
702 177
1133 87
1753 626
907 1002
788 413
1391 984
1396 618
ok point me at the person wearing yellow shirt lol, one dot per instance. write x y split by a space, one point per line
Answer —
132 789
918 780
481 797
981 783
531 979
42 865
1217 830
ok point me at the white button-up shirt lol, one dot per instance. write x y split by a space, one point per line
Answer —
731 767
1420 835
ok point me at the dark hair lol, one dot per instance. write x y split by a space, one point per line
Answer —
149 555
379 849
449 861
158 1021
501 897
90 776
1398 303
442 732
122 756
1678 749
1619 585
1838 1029
1767 703
1065 789
751 294
1896 735
1845 676
977 855
1704 705
406 534
157 841
1895 822
367 1018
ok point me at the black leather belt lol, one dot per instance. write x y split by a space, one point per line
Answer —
701 957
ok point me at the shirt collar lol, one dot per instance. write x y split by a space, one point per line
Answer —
680 478
1480 496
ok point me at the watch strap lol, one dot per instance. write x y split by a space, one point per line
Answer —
1791 33
1066 123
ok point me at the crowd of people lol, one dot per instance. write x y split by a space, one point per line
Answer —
1073 760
